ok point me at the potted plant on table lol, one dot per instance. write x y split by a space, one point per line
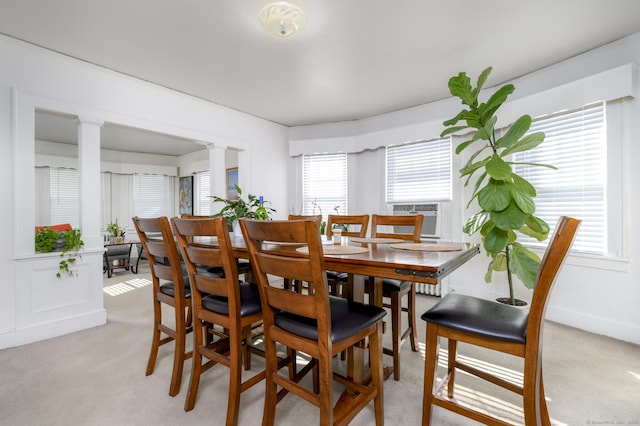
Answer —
116 232
506 200
234 209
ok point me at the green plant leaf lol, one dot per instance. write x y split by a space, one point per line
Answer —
515 132
496 100
475 223
522 185
482 78
495 241
500 262
452 130
522 198
460 86
498 169
495 196
535 228
525 265
509 218
525 144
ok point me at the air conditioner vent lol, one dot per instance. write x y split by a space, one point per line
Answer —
430 211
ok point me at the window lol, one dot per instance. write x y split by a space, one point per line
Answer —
152 196
203 193
575 143
419 171
64 196
324 183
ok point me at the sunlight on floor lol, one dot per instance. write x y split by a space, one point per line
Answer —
636 375
121 288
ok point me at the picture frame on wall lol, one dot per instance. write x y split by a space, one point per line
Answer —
186 195
232 181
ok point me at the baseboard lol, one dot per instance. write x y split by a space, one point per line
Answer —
594 324
61 327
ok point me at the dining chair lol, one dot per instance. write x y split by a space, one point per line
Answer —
316 324
498 327
287 282
170 287
384 226
356 226
222 300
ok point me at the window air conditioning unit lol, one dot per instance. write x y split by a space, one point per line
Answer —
430 224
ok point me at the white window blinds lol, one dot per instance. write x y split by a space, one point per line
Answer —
203 191
575 143
324 183
152 195
419 171
64 196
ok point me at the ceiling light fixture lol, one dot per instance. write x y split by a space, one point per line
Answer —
282 18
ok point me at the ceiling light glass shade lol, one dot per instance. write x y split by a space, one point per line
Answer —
282 18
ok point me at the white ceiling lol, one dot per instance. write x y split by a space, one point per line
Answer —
354 59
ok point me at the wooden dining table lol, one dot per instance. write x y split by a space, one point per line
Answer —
383 260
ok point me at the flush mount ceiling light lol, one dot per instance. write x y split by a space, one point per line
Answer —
282 18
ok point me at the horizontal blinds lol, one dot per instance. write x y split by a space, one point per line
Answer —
64 196
151 196
419 171
203 184
575 143
324 184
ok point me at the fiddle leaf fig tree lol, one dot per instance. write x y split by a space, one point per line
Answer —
506 200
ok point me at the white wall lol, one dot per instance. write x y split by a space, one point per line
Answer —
32 78
596 294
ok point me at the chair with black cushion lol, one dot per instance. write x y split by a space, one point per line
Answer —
316 324
384 226
221 300
353 226
287 282
170 287
499 327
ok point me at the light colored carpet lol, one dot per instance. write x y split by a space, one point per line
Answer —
96 377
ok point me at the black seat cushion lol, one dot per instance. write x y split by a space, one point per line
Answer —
389 285
168 289
337 276
347 319
480 316
249 301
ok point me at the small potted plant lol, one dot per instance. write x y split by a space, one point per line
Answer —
68 242
116 232
253 208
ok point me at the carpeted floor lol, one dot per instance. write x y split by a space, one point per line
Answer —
96 377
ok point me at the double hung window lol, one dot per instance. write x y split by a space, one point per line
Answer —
324 185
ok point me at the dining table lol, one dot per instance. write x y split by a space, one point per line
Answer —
378 258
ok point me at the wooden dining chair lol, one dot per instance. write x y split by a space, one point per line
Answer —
357 226
501 328
222 300
170 287
393 291
315 324
298 286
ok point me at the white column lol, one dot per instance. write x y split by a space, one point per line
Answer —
90 187
245 180
217 168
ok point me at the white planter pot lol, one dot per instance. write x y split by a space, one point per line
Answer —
237 232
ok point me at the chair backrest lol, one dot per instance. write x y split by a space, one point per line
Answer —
286 261
318 217
206 245
554 256
158 242
413 221
358 220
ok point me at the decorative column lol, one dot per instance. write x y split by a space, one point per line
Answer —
90 186
218 171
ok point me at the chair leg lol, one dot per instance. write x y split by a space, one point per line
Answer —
196 366
451 366
430 368
535 407
179 352
155 342
411 314
235 374
396 331
271 389
325 367
544 412
377 374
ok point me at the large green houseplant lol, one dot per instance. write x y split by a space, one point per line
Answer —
69 242
506 200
